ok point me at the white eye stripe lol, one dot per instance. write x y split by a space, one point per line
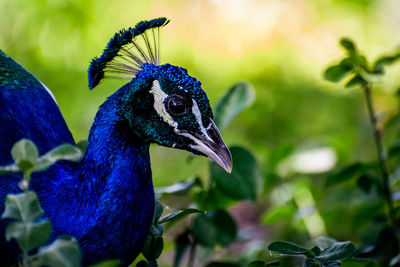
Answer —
159 98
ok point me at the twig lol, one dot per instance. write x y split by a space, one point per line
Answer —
382 157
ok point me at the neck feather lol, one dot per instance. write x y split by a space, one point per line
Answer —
111 183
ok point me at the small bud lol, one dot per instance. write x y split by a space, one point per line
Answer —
24 185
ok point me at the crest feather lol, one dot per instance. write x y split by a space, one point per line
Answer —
124 54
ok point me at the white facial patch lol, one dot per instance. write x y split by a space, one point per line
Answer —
159 98
197 114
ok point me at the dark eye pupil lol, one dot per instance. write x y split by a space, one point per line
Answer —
176 106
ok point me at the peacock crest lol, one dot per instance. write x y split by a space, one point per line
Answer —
127 51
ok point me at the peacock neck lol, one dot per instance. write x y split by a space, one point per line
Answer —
110 188
115 158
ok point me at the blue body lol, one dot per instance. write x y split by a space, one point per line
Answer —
106 201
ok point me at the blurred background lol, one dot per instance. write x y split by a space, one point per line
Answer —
280 46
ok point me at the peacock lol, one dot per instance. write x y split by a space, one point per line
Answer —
106 201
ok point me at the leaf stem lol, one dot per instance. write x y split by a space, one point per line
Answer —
25 260
382 157
192 254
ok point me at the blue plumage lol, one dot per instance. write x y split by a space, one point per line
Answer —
120 39
106 200
94 200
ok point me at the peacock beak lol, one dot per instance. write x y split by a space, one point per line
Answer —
209 142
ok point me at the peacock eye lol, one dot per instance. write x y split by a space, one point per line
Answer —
177 105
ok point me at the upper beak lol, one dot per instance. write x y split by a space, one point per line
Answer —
210 143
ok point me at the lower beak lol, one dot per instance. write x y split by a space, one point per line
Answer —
210 144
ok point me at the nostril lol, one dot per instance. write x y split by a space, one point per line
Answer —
214 134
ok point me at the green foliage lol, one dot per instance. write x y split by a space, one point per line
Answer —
357 67
222 264
27 160
28 227
330 256
29 235
63 252
25 154
107 263
62 152
153 247
369 177
154 243
215 227
234 184
256 264
177 215
182 244
288 248
348 172
239 97
180 188
23 207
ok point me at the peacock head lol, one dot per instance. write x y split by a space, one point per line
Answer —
161 104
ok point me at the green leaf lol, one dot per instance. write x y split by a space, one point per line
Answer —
25 154
278 155
23 207
245 181
337 72
337 251
285 212
256 264
107 263
239 97
369 76
357 80
288 248
180 188
309 262
225 227
383 61
82 145
153 247
156 230
349 45
25 165
223 264
63 252
204 230
324 242
182 244
354 262
62 152
273 263
29 235
346 173
213 199
316 250
177 215
158 210
367 182
9 169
